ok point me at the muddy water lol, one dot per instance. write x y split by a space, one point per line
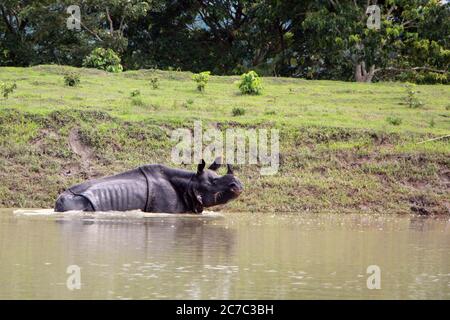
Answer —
230 256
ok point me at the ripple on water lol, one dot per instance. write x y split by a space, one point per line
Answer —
240 256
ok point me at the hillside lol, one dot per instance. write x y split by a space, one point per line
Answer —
345 147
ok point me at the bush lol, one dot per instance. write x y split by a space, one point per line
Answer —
71 79
7 88
201 79
154 82
250 83
135 93
424 77
432 123
395 121
104 59
238 111
411 96
137 101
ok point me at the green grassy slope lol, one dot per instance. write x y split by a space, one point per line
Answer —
338 151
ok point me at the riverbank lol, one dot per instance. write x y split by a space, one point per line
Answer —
344 147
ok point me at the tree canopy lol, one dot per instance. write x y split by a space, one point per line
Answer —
315 39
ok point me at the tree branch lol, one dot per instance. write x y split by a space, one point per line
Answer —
8 24
111 27
121 26
90 31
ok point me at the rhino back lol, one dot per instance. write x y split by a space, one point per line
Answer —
126 191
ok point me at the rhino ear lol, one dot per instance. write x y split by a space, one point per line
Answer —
229 169
216 164
201 167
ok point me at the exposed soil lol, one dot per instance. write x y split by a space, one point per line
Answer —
82 150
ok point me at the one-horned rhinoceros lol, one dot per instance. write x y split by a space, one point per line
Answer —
154 188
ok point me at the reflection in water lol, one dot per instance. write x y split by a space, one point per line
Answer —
158 250
239 256
418 223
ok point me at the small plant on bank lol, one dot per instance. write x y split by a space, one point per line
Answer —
135 93
154 82
432 123
104 59
71 79
6 88
238 111
187 104
137 101
136 98
395 121
201 79
411 99
250 83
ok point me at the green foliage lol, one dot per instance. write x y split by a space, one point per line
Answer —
187 104
238 111
137 101
250 83
395 121
424 77
154 82
135 93
432 123
411 97
201 79
71 79
413 34
6 88
309 39
104 59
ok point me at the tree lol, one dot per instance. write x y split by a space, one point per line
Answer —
317 39
107 20
344 47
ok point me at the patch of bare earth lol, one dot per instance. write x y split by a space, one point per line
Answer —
84 152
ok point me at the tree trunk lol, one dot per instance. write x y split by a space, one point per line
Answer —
361 73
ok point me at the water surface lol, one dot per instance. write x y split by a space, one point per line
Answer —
229 256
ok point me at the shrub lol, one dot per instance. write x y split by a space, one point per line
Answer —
411 96
201 79
432 123
424 77
7 88
395 121
238 111
137 101
250 83
71 79
154 82
135 93
104 59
